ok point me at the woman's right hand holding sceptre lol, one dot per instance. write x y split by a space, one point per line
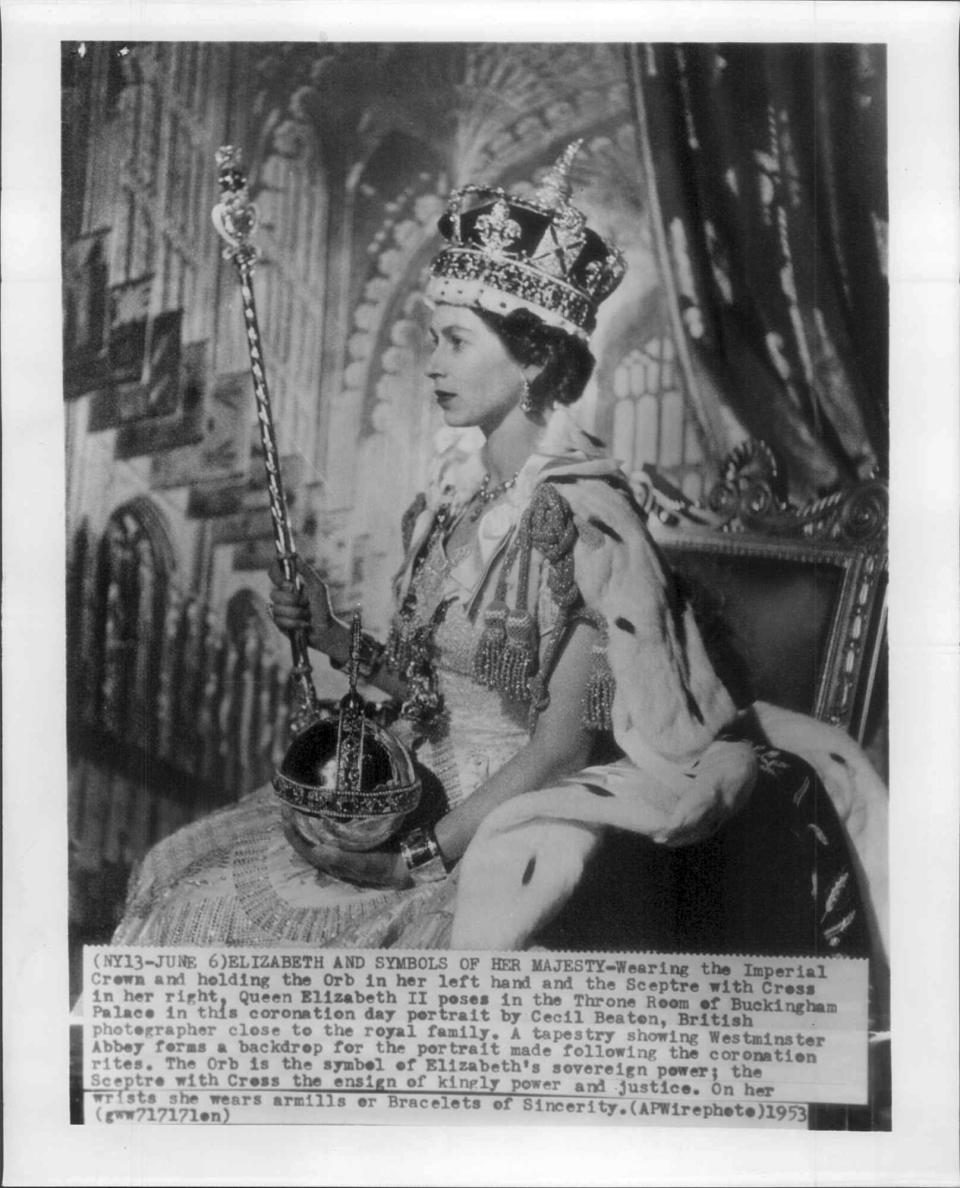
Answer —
306 607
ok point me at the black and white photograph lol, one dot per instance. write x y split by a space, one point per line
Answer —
476 486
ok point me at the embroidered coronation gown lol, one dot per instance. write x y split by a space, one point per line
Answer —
779 877
233 878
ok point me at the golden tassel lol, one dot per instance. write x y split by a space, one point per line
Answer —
601 686
519 659
399 651
489 654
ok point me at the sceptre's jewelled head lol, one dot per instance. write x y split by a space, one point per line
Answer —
235 216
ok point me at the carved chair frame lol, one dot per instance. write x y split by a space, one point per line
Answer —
746 514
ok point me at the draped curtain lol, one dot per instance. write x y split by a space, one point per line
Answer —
766 177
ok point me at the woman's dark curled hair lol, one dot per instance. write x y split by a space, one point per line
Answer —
566 361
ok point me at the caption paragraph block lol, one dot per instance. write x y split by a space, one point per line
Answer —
260 1036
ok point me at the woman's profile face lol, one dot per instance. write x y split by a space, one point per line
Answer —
475 380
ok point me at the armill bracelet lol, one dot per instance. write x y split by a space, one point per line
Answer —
422 856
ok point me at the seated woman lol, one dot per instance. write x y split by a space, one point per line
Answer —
596 785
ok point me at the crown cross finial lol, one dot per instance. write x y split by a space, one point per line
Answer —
555 189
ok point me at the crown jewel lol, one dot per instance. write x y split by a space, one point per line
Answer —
506 252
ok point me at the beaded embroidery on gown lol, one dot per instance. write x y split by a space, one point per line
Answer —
233 878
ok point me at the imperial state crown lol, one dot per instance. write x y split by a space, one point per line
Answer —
506 252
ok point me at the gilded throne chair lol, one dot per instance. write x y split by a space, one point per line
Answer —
797 592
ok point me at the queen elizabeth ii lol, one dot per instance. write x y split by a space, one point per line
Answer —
595 786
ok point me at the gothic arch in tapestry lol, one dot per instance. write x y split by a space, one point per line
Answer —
118 593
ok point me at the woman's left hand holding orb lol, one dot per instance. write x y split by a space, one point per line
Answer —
366 868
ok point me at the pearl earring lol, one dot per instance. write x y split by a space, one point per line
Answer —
527 404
